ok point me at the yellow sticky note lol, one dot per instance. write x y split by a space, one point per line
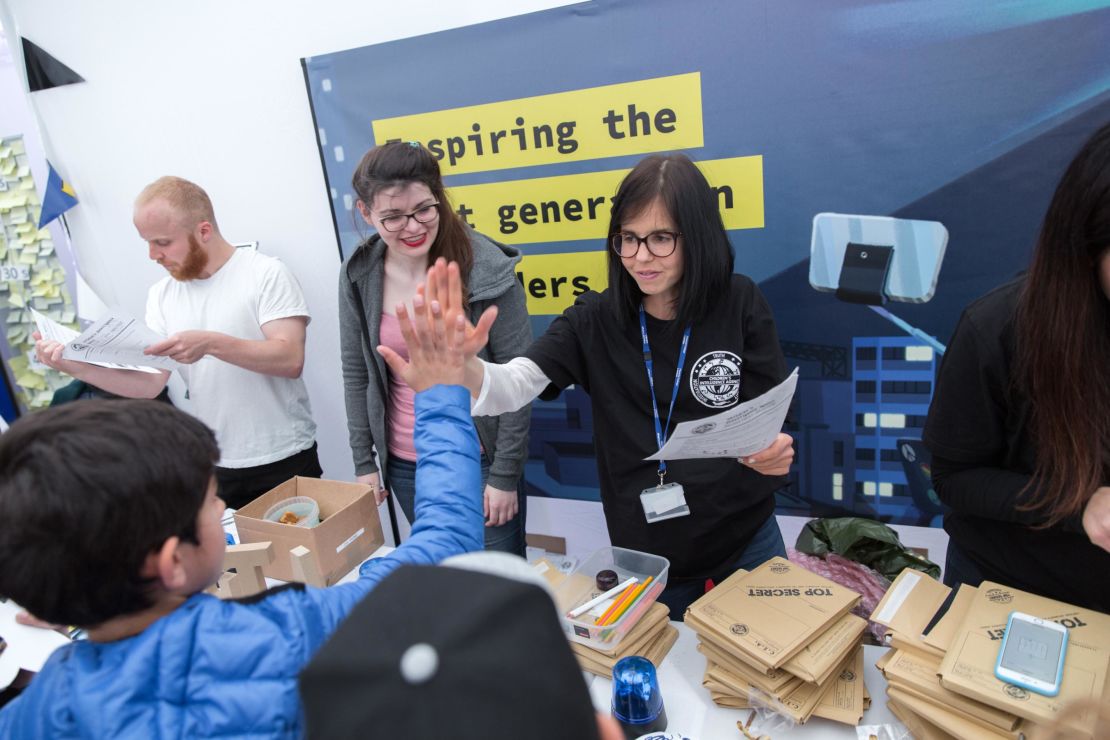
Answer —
16 299
28 257
31 381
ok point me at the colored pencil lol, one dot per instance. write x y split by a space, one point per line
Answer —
628 603
598 599
616 603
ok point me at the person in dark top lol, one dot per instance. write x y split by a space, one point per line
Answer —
1019 427
675 312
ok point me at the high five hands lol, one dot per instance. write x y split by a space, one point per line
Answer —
439 337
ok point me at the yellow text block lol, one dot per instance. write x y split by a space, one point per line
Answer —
663 113
552 281
572 207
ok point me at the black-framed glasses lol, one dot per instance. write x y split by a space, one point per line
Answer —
422 215
659 243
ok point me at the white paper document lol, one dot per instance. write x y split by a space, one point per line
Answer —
116 341
741 431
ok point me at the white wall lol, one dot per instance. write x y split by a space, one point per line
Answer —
213 91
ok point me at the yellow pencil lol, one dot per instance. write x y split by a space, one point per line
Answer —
628 603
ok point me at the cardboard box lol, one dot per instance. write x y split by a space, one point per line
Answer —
949 722
968 667
348 532
773 612
655 651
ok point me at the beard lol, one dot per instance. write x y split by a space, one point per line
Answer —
193 266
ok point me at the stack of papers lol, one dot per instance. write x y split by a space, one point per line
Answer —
782 637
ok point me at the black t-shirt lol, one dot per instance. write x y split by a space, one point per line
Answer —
983 459
590 347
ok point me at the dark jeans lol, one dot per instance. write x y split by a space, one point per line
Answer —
958 568
239 486
765 544
508 537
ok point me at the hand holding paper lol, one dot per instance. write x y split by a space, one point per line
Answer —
750 429
185 347
55 346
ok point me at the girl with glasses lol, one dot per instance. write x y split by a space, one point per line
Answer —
1019 426
675 327
401 195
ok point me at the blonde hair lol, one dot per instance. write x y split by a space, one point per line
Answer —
187 198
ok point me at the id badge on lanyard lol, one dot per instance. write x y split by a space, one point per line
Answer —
667 500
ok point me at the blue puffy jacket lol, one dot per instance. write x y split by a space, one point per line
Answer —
217 668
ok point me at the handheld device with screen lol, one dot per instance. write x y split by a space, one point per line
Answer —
1032 654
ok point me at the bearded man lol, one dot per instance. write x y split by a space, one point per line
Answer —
235 319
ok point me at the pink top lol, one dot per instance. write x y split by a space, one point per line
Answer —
402 413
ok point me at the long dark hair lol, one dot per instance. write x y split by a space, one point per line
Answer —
692 204
1063 338
403 162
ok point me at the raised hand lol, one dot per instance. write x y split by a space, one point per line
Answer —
444 285
435 347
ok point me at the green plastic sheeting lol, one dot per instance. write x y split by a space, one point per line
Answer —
865 541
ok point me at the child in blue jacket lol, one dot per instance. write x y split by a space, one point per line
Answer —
109 520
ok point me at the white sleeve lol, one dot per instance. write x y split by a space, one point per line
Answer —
508 387
279 294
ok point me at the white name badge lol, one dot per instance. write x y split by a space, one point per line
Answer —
664 502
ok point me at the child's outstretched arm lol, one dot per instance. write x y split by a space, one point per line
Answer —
449 517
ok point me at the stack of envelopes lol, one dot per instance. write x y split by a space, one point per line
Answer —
783 637
652 637
940 670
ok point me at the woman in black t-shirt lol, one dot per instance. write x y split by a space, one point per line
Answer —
670 272
1020 423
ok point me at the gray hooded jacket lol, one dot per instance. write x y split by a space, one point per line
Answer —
492 282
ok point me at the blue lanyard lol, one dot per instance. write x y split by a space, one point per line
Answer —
659 437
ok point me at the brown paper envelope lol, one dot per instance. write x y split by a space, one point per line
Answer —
550 573
957 711
648 627
968 667
921 729
919 671
800 703
943 632
773 612
737 685
655 651
728 701
818 659
754 676
950 722
883 660
843 702
910 602
899 641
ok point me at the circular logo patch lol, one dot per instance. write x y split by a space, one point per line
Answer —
1016 692
847 675
715 379
739 629
779 568
998 596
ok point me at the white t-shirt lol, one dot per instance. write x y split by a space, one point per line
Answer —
257 418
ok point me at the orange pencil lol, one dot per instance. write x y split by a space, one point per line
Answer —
629 602
617 602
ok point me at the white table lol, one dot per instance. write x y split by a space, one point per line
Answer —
692 712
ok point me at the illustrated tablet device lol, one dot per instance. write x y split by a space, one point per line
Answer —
917 252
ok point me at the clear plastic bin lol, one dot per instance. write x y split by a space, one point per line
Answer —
581 586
